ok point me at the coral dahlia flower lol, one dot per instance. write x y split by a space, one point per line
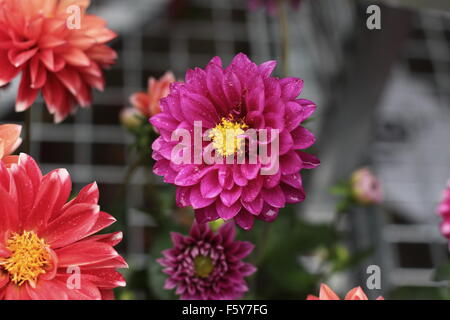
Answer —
207 265
9 141
327 294
40 40
147 103
230 104
48 249
444 212
366 188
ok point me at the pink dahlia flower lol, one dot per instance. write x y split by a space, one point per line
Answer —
48 249
63 60
147 103
229 102
9 141
327 294
444 211
271 5
366 188
207 265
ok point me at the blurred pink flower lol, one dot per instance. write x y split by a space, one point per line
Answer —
207 265
327 294
9 141
366 188
147 103
444 212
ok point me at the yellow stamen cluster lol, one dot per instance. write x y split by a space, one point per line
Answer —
225 136
29 257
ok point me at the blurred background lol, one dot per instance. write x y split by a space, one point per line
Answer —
383 102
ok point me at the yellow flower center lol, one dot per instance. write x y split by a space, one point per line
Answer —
29 257
225 136
203 266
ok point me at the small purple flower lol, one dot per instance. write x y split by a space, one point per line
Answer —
207 265
242 98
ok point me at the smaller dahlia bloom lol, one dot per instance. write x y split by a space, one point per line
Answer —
42 41
444 211
327 294
48 250
271 5
9 141
207 265
130 118
147 103
366 188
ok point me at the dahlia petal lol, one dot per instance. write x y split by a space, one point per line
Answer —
356 294
290 163
245 220
13 292
26 95
8 71
302 138
293 115
19 57
267 68
104 220
110 238
38 73
198 108
309 161
71 225
227 213
326 293
48 59
247 269
44 202
207 214
50 41
229 197
191 175
209 185
182 197
252 189
271 181
70 79
4 279
105 278
232 88
10 136
197 200
308 108
8 212
255 206
89 194
32 170
274 197
76 57
291 87
85 252
294 180
25 191
47 290
107 295
293 195
214 80
250 171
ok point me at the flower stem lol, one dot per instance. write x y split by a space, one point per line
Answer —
284 35
28 121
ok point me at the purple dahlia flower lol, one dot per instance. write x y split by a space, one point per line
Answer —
233 101
207 265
